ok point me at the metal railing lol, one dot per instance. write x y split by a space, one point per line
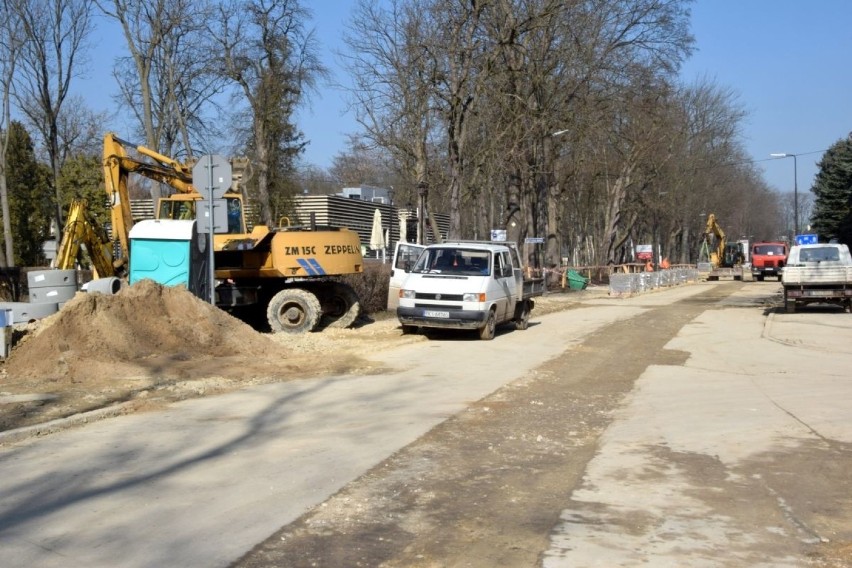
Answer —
636 283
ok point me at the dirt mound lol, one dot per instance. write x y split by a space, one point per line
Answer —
147 346
143 330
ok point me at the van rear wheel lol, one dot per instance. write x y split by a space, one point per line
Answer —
523 320
790 305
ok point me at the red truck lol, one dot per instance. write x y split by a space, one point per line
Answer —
767 259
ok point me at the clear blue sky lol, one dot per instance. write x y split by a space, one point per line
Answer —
788 61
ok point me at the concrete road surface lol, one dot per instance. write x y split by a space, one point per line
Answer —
202 482
735 458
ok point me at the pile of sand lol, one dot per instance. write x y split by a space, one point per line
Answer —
145 330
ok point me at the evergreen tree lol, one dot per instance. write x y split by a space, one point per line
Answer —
82 178
832 212
30 198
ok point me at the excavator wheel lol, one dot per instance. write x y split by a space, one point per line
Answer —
293 310
340 304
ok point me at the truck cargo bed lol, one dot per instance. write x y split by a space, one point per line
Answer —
533 287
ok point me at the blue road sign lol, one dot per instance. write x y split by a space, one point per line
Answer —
806 239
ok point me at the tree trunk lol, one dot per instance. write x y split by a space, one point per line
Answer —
263 173
9 249
455 187
616 193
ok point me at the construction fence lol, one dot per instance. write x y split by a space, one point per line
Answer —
621 279
636 283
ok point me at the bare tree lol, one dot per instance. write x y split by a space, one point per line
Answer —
10 45
362 163
460 56
167 81
55 33
80 132
390 93
477 91
264 50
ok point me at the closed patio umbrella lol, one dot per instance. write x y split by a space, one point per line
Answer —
377 236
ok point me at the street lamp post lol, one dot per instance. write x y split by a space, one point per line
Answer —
795 190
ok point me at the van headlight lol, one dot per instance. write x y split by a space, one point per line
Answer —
407 294
473 297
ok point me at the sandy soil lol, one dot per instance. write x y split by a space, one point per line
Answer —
486 487
483 489
150 345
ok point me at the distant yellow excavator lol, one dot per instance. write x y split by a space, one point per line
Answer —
725 255
714 229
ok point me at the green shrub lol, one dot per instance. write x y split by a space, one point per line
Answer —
371 286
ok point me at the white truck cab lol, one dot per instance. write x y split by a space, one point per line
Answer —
817 274
466 285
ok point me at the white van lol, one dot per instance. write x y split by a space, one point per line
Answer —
466 285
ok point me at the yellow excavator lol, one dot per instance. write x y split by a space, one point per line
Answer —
83 230
291 271
111 257
726 259
118 165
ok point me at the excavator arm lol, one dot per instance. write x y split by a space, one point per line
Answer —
82 229
117 168
714 229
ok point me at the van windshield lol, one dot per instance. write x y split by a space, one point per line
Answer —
454 261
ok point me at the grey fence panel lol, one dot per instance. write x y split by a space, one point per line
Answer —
629 284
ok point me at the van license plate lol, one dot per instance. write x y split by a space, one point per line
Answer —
435 314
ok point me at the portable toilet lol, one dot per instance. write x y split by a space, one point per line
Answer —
170 252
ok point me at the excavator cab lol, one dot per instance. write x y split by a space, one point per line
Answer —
734 255
173 209
182 207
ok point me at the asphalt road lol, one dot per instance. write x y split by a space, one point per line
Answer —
709 458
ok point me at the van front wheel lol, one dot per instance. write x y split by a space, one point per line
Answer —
487 331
